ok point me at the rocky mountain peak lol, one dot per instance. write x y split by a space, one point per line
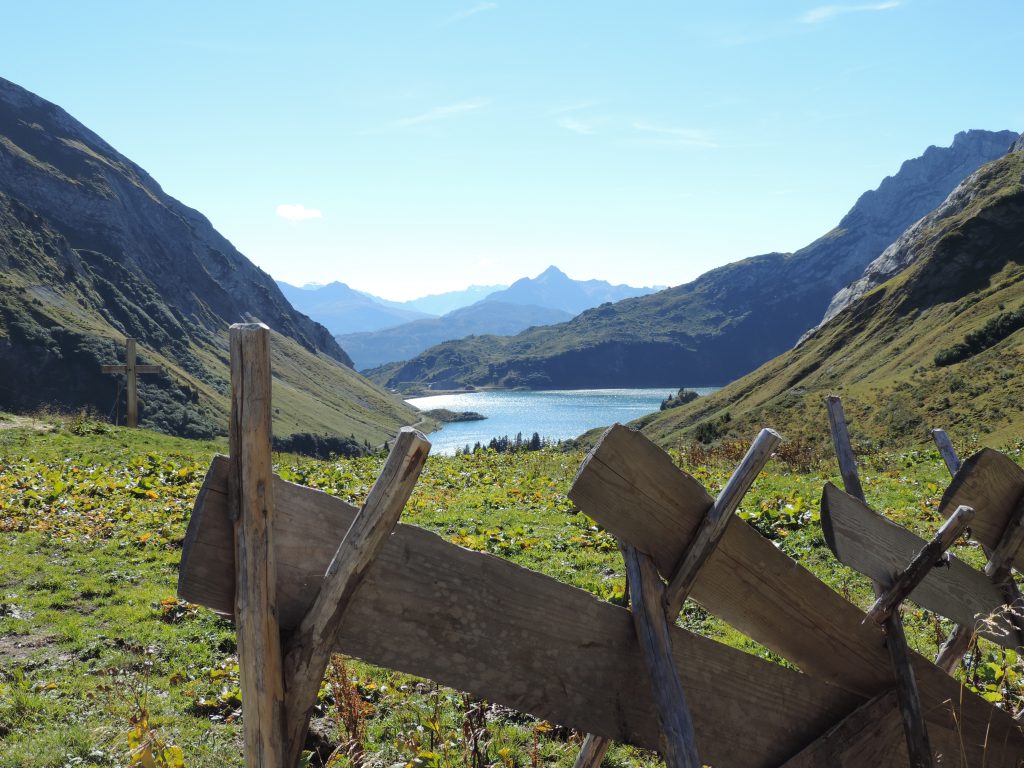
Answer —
968 148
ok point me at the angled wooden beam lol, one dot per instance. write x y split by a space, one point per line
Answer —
592 751
713 526
647 604
750 583
907 694
309 648
252 507
991 483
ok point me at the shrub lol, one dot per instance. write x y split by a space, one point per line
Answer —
990 334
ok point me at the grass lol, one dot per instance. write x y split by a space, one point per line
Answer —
92 635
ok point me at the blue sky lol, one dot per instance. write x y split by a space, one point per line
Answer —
412 147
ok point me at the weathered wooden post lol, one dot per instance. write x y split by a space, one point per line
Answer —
907 694
131 370
252 508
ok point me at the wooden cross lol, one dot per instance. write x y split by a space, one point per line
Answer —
131 369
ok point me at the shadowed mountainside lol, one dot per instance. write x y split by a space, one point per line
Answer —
93 250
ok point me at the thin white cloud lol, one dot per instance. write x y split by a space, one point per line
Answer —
440 113
574 107
298 212
826 12
576 126
681 137
467 12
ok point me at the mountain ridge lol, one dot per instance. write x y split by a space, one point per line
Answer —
721 325
937 344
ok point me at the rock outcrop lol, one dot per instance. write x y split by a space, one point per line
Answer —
900 254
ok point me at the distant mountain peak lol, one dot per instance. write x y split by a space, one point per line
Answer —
550 272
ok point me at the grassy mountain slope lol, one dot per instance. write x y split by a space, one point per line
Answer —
92 250
375 348
725 323
959 302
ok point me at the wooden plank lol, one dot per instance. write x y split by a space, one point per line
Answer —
146 368
992 484
996 569
713 525
252 504
481 624
930 556
310 646
871 735
647 602
870 544
750 584
113 369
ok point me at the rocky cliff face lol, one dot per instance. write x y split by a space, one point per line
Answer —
899 255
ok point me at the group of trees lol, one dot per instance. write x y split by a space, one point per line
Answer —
506 444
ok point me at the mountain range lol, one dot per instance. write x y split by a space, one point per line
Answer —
342 310
94 251
928 337
723 324
551 297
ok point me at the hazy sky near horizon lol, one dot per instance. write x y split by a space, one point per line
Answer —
408 148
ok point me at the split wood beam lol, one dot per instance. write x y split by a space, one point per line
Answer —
647 604
930 556
907 695
997 569
713 526
309 648
708 535
252 508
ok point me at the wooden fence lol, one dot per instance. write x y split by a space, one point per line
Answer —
305 574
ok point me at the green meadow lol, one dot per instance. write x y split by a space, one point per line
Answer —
101 664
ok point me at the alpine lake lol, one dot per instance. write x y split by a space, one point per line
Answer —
553 414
